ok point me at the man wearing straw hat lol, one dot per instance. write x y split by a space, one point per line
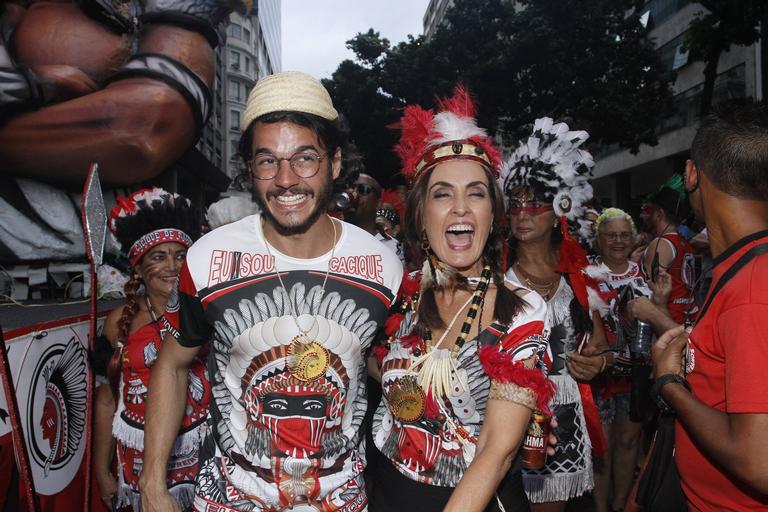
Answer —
287 303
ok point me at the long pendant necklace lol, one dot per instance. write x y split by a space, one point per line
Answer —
437 366
307 358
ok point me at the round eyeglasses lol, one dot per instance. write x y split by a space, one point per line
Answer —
304 165
623 236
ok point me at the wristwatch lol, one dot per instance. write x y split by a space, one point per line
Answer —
660 383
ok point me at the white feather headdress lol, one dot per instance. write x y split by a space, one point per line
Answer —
551 164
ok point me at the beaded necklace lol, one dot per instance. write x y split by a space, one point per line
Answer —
435 368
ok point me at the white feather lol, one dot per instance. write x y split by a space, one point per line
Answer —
449 126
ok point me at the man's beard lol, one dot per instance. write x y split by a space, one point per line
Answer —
323 199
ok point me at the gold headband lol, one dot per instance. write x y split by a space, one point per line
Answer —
452 150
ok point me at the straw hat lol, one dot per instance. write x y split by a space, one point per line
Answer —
291 91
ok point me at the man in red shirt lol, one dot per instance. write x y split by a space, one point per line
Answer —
722 422
660 215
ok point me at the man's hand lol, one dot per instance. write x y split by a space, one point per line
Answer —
107 487
667 352
156 498
552 441
637 253
585 367
661 287
642 308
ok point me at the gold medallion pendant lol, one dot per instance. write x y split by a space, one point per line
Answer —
407 400
307 360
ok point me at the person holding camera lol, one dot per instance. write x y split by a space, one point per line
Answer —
621 417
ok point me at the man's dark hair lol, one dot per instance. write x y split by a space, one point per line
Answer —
331 134
731 148
674 205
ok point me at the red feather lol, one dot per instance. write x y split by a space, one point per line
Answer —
416 125
500 367
413 342
392 323
460 103
418 129
389 196
410 285
380 351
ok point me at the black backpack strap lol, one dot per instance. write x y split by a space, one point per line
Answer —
732 271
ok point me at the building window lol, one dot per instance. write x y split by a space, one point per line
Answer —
672 55
234 90
247 64
246 35
729 84
662 10
234 59
234 119
234 31
233 150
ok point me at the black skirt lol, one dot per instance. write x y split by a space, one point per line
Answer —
394 492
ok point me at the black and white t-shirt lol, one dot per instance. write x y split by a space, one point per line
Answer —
285 415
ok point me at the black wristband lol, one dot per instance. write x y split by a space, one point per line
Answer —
660 383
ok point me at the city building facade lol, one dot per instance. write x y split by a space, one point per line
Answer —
622 178
252 51
434 15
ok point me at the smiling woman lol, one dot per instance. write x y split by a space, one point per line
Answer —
546 182
154 228
457 397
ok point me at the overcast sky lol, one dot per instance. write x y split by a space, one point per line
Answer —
314 31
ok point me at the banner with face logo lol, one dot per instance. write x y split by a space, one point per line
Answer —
49 363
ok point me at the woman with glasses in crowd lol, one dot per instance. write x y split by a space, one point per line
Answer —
622 281
546 186
155 228
459 369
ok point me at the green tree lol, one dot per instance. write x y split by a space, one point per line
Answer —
588 61
355 88
727 22
585 61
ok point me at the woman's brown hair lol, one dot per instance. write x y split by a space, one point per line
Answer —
131 307
507 304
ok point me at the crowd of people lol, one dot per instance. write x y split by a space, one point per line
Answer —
434 320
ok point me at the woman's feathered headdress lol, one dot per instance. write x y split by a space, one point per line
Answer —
552 165
428 138
152 216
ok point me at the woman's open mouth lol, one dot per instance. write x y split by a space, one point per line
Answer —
459 236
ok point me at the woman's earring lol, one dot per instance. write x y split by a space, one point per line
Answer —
424 242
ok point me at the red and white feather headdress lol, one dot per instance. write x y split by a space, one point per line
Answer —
429 138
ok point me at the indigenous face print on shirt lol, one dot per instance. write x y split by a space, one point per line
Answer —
439 444
287 367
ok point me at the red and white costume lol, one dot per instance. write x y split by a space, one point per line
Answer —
278 442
